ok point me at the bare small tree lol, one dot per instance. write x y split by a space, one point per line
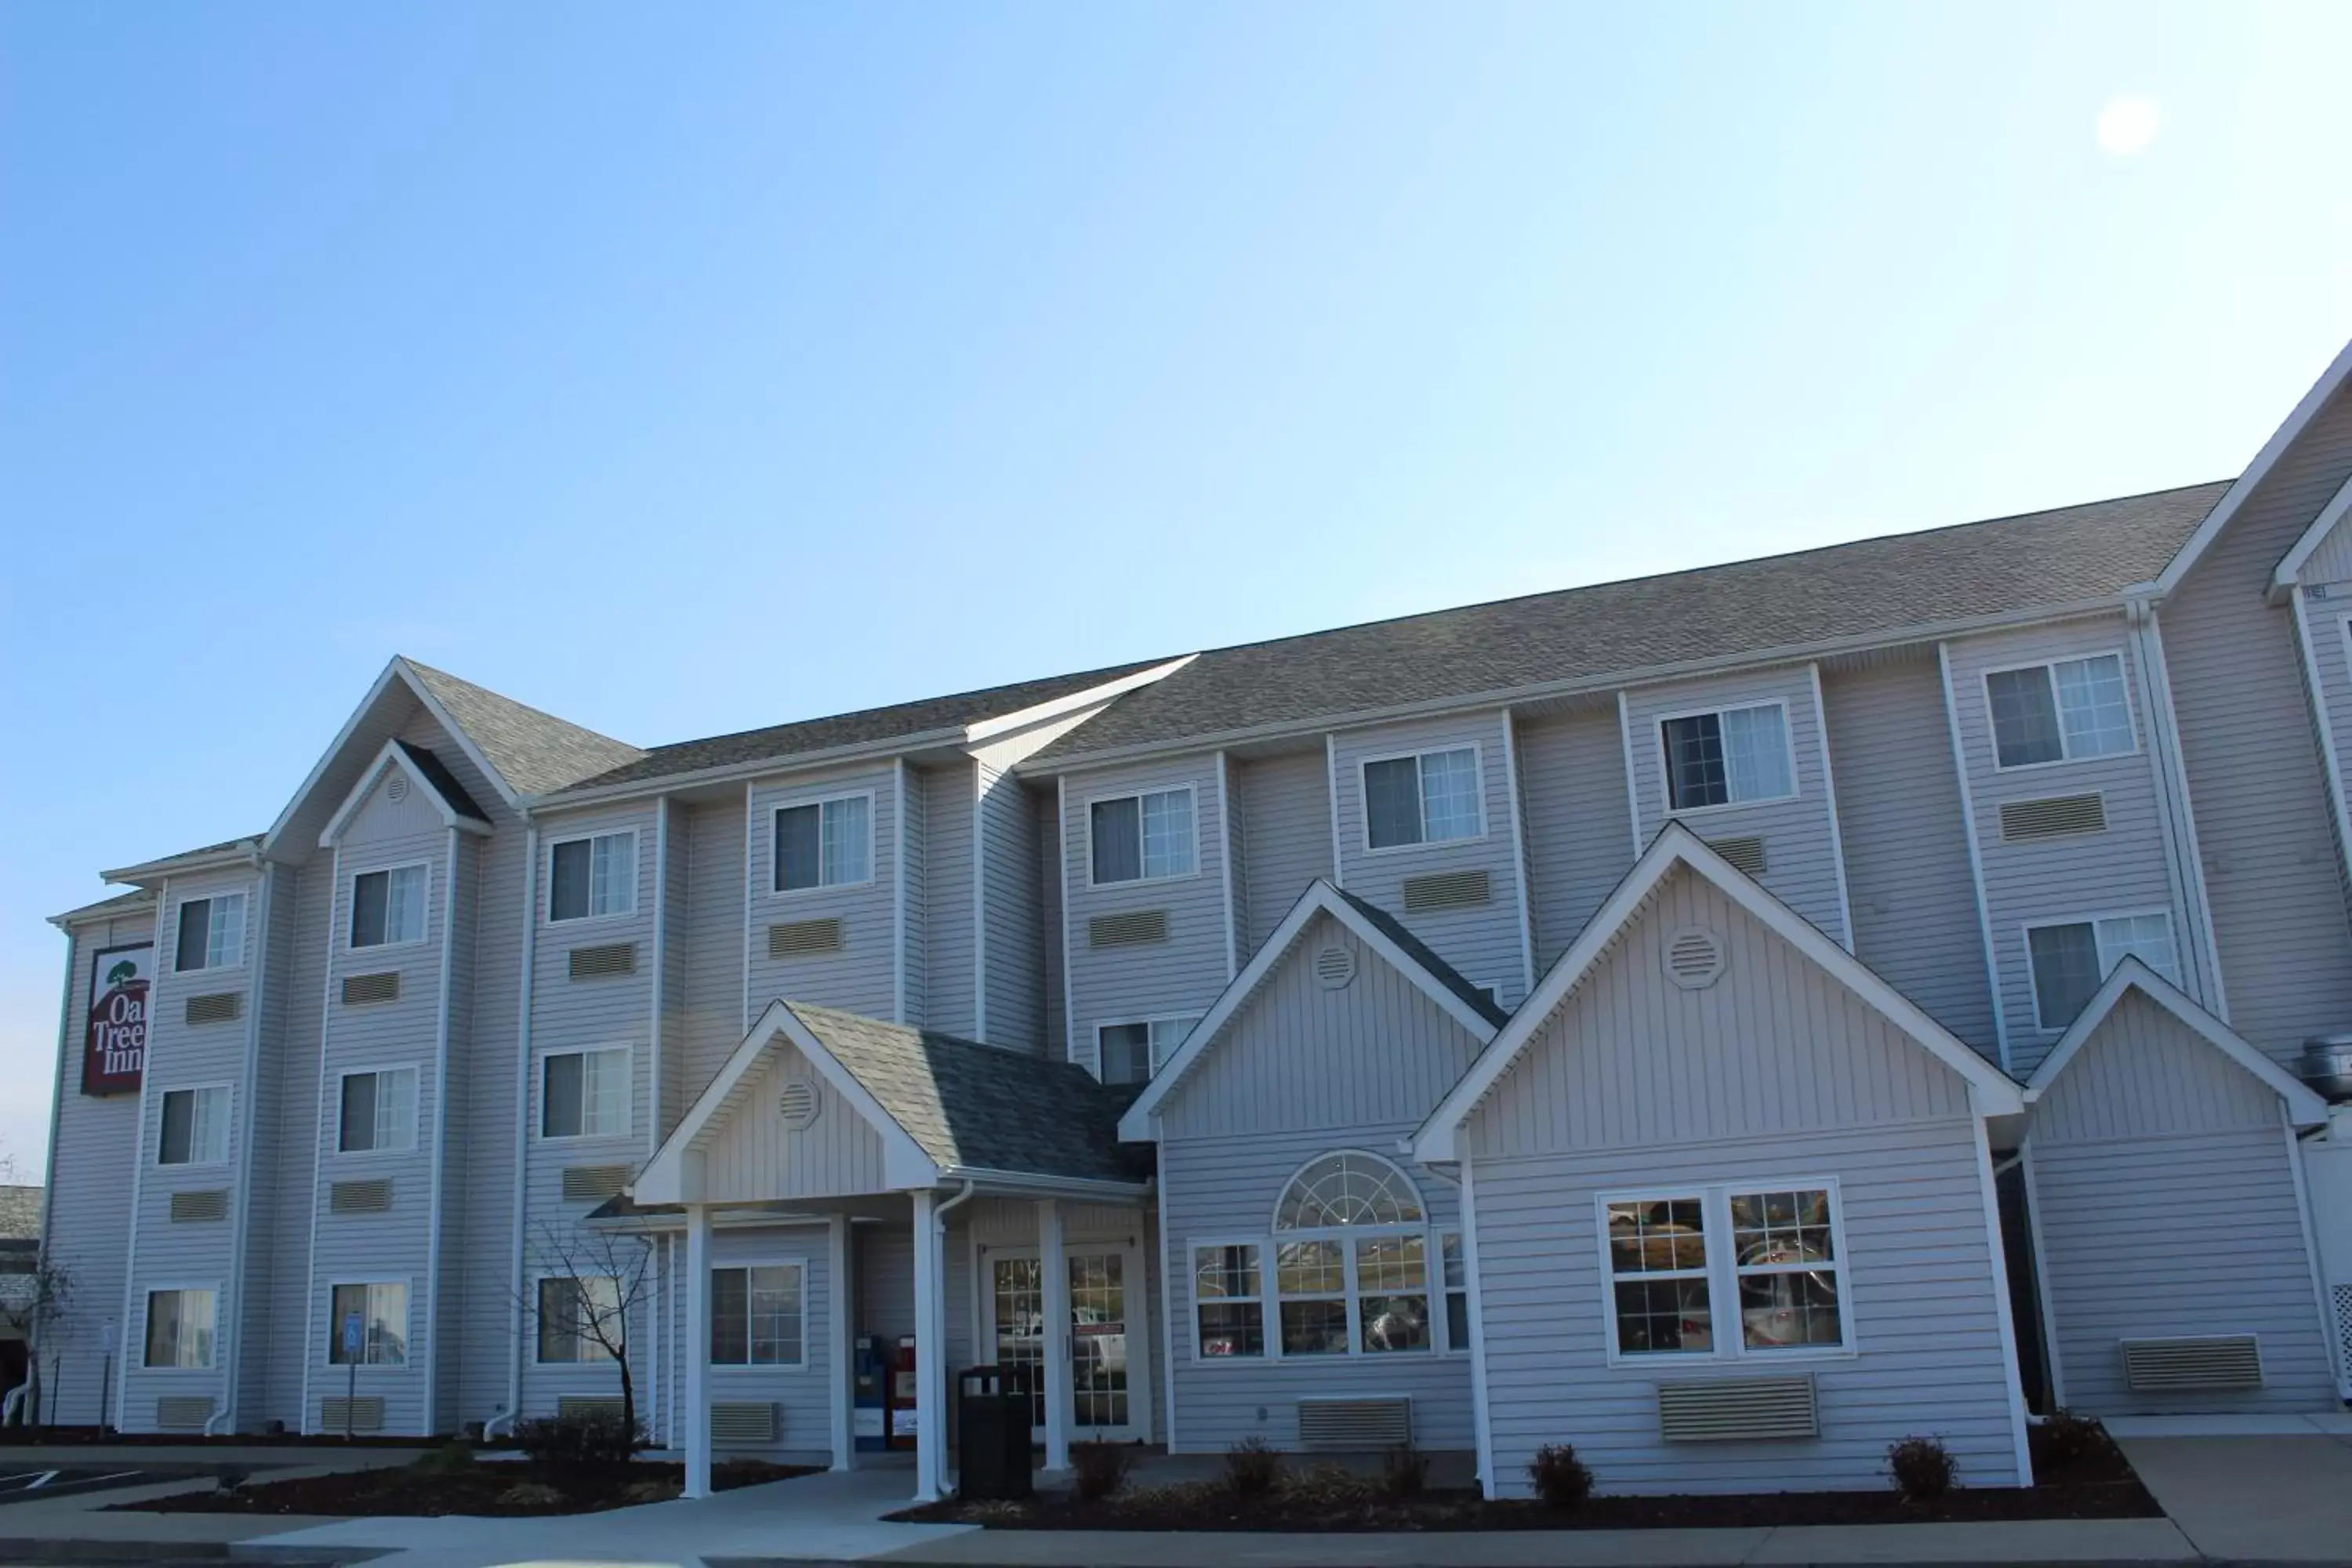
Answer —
603 1279
31 1304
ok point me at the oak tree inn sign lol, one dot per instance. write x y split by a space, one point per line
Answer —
114 1049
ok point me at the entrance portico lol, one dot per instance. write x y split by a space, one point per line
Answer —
822 1112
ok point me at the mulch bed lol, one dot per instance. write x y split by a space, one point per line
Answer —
502 1489
2094 1484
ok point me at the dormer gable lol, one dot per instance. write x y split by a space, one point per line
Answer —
405 789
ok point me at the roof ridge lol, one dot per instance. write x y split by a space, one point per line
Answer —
476 687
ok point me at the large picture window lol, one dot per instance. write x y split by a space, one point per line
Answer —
2060 712
1140 837
1729 757
388 907
2071 959
756 1315
1427 798
591 876
211 933
1675 1260
824 844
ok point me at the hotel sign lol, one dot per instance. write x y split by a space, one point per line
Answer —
114 1046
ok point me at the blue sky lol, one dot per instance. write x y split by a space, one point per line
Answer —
684 369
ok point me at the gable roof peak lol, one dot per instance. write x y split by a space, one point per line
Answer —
530 751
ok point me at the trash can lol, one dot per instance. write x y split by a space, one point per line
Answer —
992 1413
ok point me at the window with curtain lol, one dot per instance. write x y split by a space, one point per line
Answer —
211 933
379 1112
1132 1053
388 907
1139 838
1430 797
1727 757
571 1308
180 1325
584 1094
756 1315
591 876
195 1126
383 1309
2071 959
2060 712
824 844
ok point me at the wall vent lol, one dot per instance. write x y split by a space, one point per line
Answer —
196 1207
2205 1361
743 1423
219 1007
1335 966
1354 1425
337 1414
2342 1297
604 962
587 1405
395 788
800 937
584 1182
1444 890
1745 854
183 1411
798 1105
362 989
1694 958
2053 816
370 1196
1727 1410
1126 929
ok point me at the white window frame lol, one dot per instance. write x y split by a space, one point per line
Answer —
352 909
228 1127
1269 1323
637 864
1189 1020
2065 759
2106 964
1723 1272
1443 1338
1364 797
538 1096
800 1267
334 1335
776 808
180 914
1346 1236
537 1329
146 1324
1190 787
1658 723
416 1114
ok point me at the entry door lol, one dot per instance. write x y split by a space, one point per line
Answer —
1105 1282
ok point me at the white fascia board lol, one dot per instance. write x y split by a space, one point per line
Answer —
1994 1092
2304 1105
1060 707
2234 499
390 757
782 767
1141 1124
457 732
244 852
2291 565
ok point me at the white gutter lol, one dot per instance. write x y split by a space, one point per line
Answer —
244 852
1024 1180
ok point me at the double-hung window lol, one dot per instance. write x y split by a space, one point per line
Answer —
211 933
195 1126
1139 837
584 1094
1428 798
2071 959
1229 1300
594 876
379 1112
1727 757
382 1308
1132 1053
579 1317
180 1328
388 907
824 844
1676 1261
2060 712
756 1315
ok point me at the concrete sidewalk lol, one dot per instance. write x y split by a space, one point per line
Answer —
2254 1499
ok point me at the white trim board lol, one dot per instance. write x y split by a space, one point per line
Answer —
2235 498
2291 565
391 755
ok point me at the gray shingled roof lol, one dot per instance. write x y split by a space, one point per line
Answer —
1874 586
982 1107
1420 951
535 753
20 1214
121 903
866 725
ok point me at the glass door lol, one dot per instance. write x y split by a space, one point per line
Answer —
1101 1399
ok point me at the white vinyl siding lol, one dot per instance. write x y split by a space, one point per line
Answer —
211 933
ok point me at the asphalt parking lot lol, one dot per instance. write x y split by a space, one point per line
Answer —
27 1483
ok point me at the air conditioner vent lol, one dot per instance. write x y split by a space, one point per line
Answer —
1354 1425
1444 890
2207 1360
2053 816
219 1007
196 1207
587 1405
742 1424
1746 854
359 990
583 1183
1335 966
337 1414
802 937
1695 958
395 788
1739 1409
798 1105
183 1411
605 962
1128 929
370 1196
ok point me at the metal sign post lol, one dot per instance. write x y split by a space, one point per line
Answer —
105 1373
355 1345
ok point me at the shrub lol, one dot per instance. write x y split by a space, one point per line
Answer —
1561 1479
1923 1468
1253 1467
1404 1471
582 1439
1098 1469
2066 1441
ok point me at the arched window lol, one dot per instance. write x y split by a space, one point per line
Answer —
1350 1264
1346 1190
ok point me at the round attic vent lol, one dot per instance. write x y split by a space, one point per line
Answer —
797 1105
1334 967
395 788
1694 958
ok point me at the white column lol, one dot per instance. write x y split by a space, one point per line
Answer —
698 1349
1054 1267
838 1324
930 1349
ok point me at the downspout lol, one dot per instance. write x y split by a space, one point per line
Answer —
2178 872
434 1207
522 1129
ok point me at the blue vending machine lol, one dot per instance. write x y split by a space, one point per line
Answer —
869 1415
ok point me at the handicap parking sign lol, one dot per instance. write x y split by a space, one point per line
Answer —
354 1335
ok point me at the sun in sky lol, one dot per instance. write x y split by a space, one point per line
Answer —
2128 124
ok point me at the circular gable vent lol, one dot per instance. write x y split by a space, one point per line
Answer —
1334 967
1694 958
395 788
797 1104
